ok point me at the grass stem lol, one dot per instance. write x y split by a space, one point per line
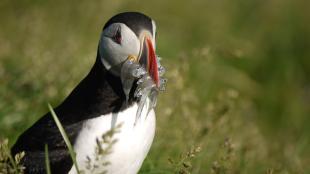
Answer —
65 137
47 161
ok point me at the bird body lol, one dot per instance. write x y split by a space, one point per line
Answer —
133 140
119 92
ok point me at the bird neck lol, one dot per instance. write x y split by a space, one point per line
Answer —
99 93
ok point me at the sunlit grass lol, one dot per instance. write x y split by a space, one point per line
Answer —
8 163
237 71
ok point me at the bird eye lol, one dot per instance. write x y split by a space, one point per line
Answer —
117 36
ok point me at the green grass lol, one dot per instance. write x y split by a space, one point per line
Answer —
65 137
239 77
47 161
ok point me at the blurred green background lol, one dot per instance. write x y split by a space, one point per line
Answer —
238 71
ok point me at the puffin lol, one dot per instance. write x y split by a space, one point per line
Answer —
119 93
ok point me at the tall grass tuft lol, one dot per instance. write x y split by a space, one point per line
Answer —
8 164
183 165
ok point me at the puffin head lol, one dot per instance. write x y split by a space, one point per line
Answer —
129 34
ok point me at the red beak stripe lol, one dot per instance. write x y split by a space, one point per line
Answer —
152 63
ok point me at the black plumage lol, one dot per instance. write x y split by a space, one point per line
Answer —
134 20
99 93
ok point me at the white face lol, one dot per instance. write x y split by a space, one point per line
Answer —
117 42
115 47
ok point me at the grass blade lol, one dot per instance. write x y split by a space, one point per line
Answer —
65 137
5 151
47 161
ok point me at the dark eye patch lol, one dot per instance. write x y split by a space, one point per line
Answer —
117 36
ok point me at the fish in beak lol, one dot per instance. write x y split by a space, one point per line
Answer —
135 68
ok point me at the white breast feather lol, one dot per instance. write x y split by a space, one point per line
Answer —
131 148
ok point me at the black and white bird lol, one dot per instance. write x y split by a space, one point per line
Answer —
120 89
